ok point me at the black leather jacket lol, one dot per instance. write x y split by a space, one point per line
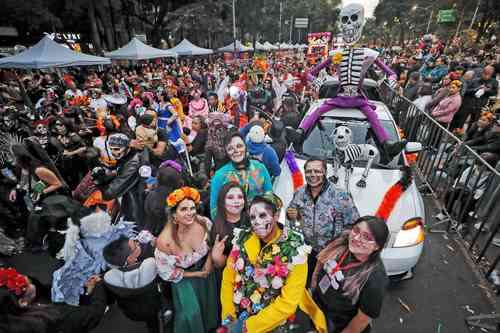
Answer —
129 186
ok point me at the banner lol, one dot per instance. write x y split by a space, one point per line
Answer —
318 44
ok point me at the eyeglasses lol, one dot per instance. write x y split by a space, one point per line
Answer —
364 236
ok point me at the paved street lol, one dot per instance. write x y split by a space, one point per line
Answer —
443 292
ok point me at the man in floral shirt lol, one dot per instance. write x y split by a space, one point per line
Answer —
321 209
264 281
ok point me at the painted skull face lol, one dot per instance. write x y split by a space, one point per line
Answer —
234 201
352 19
40 130
118 152
261 218
342 137
9 122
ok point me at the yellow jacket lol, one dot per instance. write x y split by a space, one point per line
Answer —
293 294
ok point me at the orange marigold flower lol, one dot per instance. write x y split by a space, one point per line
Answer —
182 193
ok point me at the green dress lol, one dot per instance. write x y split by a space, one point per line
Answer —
193 298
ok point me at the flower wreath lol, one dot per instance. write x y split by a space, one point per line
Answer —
256 287
182 193
13 281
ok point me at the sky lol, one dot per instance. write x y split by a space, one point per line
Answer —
369 5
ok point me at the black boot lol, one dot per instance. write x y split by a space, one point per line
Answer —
393 148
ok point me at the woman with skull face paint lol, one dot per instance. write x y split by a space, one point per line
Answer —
349 280
231 204
252 175
183 257
264 281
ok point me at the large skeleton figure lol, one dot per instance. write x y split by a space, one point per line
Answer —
347 153
352 64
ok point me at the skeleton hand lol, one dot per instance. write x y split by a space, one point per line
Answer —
317 83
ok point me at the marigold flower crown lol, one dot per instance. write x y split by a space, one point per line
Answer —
13 281
182 193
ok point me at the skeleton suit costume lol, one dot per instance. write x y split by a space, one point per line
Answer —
352 64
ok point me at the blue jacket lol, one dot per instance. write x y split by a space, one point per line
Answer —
267 155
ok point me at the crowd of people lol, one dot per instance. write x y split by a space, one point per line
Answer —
152 184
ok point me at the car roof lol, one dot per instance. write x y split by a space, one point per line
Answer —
381 110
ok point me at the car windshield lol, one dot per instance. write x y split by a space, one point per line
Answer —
319 142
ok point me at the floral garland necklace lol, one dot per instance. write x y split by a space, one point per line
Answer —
257 285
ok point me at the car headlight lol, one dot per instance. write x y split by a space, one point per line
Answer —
411 233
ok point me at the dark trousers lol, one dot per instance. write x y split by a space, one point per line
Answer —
311 265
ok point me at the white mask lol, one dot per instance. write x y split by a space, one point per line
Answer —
261 219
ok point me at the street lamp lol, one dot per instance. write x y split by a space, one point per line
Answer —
431 8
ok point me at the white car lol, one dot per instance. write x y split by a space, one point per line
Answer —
406 222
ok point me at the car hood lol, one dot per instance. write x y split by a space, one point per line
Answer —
367 199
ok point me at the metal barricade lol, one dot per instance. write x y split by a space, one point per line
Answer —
465 186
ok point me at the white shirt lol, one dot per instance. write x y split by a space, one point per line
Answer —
134 279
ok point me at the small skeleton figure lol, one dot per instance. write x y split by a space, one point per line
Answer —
41 132
347 153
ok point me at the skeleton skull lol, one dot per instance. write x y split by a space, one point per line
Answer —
352 19
342 137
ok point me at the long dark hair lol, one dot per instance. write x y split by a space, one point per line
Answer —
221 226
356 278
170 178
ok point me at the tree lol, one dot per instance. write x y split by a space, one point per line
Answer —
30 17
489 13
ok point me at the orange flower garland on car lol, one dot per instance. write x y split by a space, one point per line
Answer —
183 193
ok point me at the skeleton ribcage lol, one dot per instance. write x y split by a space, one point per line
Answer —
351 67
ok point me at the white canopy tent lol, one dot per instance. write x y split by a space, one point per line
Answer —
186 48
261 47
270 46
239 47
49 54
137 50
